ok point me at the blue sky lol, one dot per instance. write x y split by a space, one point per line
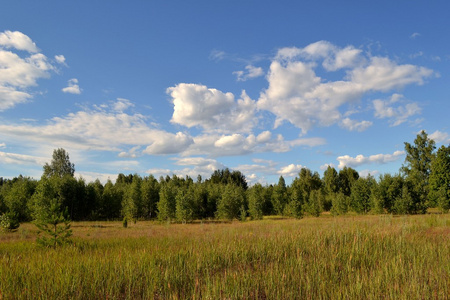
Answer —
187 87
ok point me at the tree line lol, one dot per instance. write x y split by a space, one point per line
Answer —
422 182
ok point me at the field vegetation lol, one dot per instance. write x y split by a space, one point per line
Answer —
351 257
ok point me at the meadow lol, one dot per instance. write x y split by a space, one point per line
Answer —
345 257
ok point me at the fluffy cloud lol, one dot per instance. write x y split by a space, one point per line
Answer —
211 109
290 170
21 159
440 137
298 95
17 40
216 145
397 114
353 125
72 87
60 59
17 73
100 129
249 73
348 161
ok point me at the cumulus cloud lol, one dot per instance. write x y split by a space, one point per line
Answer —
211 109
17 40
396 114
100 129
60 59
440 137
290 170
21 159
298 95
249 73
348 161
19 73
72 87
353 125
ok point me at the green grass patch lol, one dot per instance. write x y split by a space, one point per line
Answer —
352 257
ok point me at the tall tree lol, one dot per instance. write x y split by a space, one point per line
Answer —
60 165
440 179
417 168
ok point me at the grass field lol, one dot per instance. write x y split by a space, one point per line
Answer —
349 257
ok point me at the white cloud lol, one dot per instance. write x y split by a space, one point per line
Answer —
21 159
353 125
415 35
2 145
249 73
211 109
290 170
325 166
298 95
60 59
398 114
121 104
169 144
18 74
365 173
99 129
348 161
73 87
17 40
440 137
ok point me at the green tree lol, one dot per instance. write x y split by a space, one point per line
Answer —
150 196
340 204
60 165
167 202
184 205
360 200
347 176
49 215
231 203
440 179
256 201
280 196
417 168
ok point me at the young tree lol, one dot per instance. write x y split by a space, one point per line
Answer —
184 203
280 196
360 195
231 203
440 179
417 169
60 165
256 202
49 215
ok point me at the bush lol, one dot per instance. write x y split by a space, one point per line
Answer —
9 221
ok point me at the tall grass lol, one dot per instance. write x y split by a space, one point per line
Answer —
362 257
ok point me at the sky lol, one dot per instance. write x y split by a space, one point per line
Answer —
188 87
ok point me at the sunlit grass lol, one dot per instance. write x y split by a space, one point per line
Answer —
354 257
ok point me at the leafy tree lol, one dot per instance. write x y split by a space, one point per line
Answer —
417 168
256 201
360 195
340 204
295 206
131 205
9 221
167 202
49 215
347 176
231 203
184 205
60 165
440 179
314 206
280 196
150 197
226 176
17 195
111 201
